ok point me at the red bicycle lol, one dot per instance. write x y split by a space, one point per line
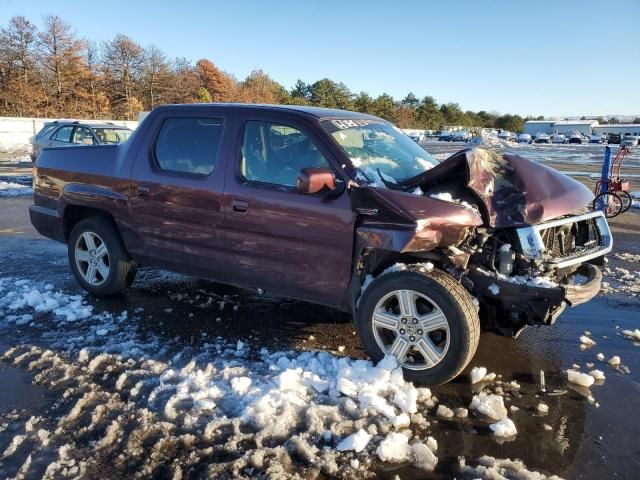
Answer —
615 199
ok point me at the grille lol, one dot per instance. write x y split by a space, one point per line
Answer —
570 239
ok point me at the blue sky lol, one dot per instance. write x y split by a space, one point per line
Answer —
548 58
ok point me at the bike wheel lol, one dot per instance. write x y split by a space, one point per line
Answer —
609 203
626 200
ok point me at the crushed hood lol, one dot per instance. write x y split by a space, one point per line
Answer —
512 190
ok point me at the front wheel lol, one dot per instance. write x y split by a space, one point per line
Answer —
98 258
426 320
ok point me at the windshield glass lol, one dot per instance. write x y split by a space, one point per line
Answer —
378 149
112 135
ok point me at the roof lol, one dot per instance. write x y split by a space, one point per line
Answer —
318 112
540 121
621 125
91 124
576 122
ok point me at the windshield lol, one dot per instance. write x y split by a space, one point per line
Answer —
112 135
378 149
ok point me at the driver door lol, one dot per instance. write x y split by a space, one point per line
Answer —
282 241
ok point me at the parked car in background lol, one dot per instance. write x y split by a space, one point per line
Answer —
507 136
630 141
63 133
597 138
558 138
614 138
417 137
461 136
524 138
577 138
332 207
542 138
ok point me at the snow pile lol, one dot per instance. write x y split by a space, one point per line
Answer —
444 412
18 295
632 334
504 428
578 378
587 341
489 405
11 189
357 442
394 448
477 374
491 468
622 281
424 456
543 408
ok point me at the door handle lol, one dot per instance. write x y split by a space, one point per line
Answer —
143 193
238 205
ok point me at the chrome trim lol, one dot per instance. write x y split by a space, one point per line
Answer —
533 247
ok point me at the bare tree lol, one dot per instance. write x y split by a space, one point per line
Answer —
123 60
61 52
155 73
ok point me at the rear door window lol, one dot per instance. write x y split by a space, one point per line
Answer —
189 145
63 134
82 136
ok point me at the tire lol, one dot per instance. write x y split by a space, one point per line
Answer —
627 201
612 204
449 346
98 258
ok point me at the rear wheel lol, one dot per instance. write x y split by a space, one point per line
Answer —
610 203
98 259
627 201
426 320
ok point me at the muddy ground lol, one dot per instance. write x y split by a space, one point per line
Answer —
584 438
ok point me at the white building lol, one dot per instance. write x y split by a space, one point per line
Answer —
532 127
622 129
584 127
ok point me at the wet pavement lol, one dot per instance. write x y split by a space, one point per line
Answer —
578 438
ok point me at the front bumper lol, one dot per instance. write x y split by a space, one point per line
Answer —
538 304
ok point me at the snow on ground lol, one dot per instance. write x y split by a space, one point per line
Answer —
152 405
11 189
491 468
578 378
172 407
621 280
11 146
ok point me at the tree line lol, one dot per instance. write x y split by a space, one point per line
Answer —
50 72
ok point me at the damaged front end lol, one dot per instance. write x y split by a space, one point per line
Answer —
514 232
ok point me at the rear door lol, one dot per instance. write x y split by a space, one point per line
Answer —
177 191
278 239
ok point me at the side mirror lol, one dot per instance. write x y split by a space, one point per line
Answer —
314 180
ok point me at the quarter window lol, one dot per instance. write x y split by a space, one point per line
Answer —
189 145
274 153
63 134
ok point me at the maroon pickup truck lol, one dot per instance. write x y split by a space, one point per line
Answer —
332 207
